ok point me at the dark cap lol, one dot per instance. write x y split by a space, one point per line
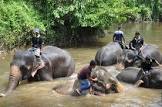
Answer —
93 63
137 33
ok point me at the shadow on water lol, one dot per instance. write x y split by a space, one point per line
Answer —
40 94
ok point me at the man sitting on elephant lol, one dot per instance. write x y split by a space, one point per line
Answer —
144 74
119 37
136 43
84 76
37 42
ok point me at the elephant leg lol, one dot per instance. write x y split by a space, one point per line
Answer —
45 74
46 77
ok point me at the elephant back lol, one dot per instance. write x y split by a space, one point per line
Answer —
128 75
62 64
157 73
109 54
152 51
52 51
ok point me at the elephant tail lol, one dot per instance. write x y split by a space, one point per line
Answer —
100 56
97 57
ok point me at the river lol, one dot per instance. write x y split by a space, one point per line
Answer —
40 94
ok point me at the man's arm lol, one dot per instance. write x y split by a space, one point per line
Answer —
40 42
154 60
123 38
131 46
142 41
114 37
32 41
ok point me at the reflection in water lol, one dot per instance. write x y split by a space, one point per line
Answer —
40 94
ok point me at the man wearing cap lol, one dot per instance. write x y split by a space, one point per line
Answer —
37 42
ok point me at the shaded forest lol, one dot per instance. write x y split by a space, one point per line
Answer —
69 22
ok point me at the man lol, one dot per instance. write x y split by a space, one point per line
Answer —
36 47
84 77
136 43
119 37
144 74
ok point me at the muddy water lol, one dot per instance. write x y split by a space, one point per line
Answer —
40 94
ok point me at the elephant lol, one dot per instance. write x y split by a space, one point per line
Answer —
130 74
58 63
112 53
130 57
104 76
109 54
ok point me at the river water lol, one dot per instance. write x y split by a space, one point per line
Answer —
40 94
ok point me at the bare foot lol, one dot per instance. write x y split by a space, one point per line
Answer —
2 95
33 73
37 68
138 83
78 91
119 66
108 86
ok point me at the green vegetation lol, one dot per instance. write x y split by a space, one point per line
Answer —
69 22
16 20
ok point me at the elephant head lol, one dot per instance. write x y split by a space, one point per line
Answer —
20 69
131 58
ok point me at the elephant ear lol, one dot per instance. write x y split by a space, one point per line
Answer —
102 74
106 77
25 72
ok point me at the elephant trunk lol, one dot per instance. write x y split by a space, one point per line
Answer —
13 80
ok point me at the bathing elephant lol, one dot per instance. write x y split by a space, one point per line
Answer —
58 63
104 76
147 50
109 54
130 74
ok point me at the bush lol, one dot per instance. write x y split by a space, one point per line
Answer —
16 20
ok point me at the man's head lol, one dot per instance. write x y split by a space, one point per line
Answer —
137 34
119 28
93 63
36 32
148 59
